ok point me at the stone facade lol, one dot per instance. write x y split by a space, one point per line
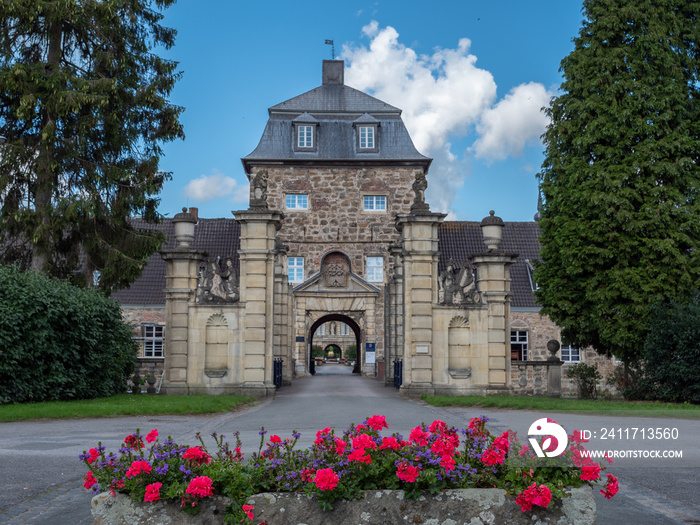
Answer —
338 231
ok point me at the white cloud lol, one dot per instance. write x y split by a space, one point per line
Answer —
216 186
514 122
444 95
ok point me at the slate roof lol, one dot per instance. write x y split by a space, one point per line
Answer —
462 240
335 108
218 237
457 240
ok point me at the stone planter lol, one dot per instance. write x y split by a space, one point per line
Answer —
378 507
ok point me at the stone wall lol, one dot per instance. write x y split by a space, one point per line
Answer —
540 330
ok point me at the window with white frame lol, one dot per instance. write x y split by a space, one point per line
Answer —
297 201
295 269
344 329
518 345
321 330
570 354
375 269
305 137
374 202
366 137
152 340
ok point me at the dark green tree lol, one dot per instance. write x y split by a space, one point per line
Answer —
620 180
83 115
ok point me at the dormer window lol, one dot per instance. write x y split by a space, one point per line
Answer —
366 128
366 137
305 137
305 133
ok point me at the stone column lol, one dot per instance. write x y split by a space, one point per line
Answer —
493 282
259 228
419 238
182 266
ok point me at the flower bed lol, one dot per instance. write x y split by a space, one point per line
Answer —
338 469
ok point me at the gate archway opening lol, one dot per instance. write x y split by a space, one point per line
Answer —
351 323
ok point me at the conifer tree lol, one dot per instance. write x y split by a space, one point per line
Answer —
83 115
621 220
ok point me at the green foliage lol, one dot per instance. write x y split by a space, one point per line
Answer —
620 222
58 341
586 378
672 352
351 353
317 351
84 109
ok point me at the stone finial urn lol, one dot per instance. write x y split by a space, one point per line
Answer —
184 228
492 231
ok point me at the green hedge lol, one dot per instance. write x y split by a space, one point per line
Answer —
59 342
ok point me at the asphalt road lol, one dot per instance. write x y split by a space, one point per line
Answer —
41 475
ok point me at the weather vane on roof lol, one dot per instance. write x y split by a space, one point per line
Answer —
331 43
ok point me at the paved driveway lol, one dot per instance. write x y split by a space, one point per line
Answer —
41 475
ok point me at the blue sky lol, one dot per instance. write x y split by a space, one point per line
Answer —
469 76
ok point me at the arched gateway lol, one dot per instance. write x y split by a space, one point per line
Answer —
337 229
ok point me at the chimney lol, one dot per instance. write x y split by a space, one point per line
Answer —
333 72
195 213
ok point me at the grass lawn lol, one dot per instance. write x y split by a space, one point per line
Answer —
122 405
548 404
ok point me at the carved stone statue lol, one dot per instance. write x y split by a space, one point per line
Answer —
259 184
217 285
456 285
419 187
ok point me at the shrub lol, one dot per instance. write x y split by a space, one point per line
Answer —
59 342
672 351
586 378
317 351
351 353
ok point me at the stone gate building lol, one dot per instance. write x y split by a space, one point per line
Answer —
338 230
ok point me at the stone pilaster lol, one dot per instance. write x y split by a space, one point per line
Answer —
182 265
259 228
419 238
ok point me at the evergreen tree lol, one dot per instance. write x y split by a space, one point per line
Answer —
620 221
83 114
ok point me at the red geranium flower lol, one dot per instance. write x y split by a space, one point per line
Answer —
390 442
359 455
534 495
406 472
326 479
197 455
437 427
419 437
94 454
377 422
447 462
89 480
247 509
137 467
134 441
590 473
152 436
200 486
152 492
611 488
363 441
275 439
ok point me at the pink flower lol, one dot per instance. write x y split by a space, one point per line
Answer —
492 457
590 473
247 509
275 439
152 436
200 486
477 427
443 445
321 434
89 480
326 479
197 455
577 437
437 426
501 442
152 492
363 441
134 441
611 487
447 462
307 475
534 495
94 454
377 422
419 437
340 446
406 472
137 467
390 442
359 455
